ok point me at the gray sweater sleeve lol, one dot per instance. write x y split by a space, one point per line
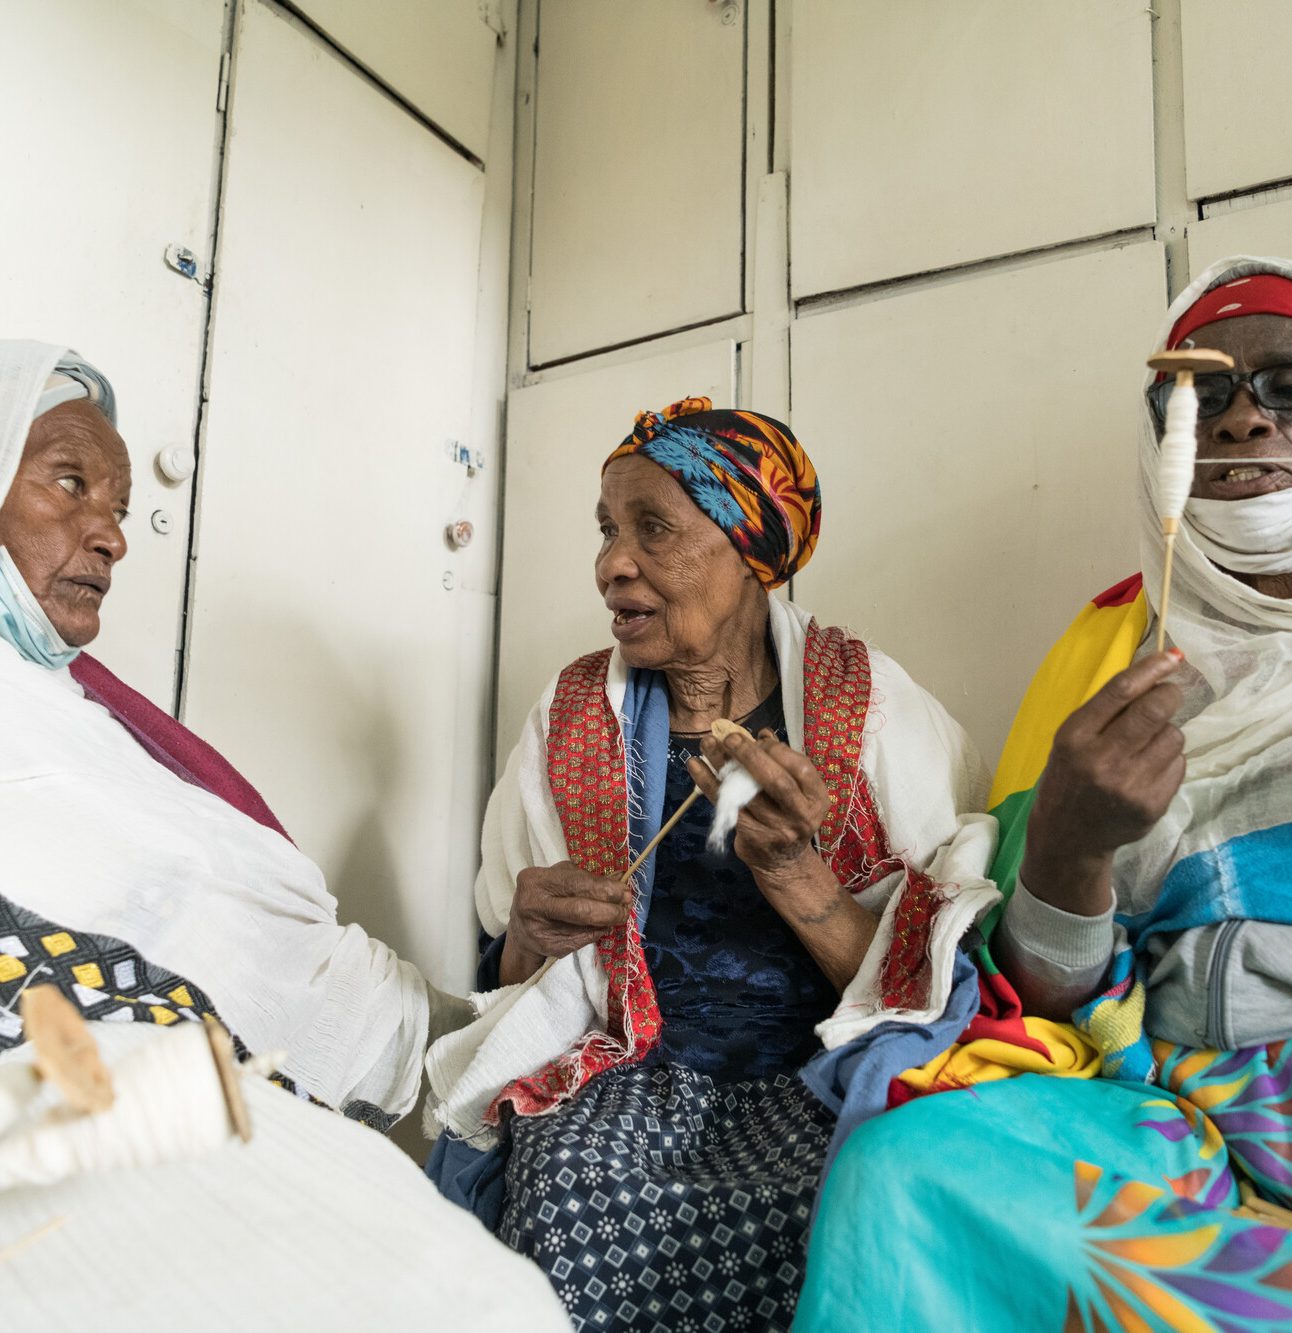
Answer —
1055 959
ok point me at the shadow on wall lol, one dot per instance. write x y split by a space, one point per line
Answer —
317 707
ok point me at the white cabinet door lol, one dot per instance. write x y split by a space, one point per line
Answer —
931 133
558 435
1237 96
106 158
638 176
1265 230
330 656
437 55
976 444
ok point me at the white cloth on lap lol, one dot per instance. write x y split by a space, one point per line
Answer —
100 837
317 1223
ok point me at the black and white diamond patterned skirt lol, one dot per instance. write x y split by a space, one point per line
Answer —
661 1202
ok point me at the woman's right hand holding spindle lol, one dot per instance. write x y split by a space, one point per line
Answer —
557 910
1114 768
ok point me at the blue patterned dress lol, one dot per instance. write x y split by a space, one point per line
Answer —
675 1194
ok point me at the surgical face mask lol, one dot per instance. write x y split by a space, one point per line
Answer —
24 623
1252 536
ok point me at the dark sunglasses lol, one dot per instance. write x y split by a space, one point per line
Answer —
1271 387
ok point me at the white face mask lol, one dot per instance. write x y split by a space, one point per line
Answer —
24 623
1251 536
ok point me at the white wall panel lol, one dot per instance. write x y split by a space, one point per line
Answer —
328 658
1237 95
438 55
976 448
934 132
638 172
96 183
558 435
1266 230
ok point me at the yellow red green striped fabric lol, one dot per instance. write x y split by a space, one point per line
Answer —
1099 643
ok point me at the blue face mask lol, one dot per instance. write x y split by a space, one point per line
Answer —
24 624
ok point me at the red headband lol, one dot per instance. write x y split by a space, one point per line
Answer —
1259 294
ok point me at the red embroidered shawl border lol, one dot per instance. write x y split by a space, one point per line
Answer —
587 774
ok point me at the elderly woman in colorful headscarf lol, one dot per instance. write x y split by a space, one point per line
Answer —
634 1078
142 874
1145 802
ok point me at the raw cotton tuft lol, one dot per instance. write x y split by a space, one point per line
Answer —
737 790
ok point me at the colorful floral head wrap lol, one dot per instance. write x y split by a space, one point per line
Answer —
744 471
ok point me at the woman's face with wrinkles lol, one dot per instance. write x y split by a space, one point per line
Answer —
672 581
61 521
1245 429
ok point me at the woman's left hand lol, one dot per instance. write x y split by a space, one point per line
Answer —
775 831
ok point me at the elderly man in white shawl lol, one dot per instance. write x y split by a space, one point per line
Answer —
626 1110
142 874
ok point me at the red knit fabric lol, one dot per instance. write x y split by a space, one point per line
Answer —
1259 294
585 770
589 788
170 742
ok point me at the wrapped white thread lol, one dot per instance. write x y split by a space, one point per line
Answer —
169 1104
1177 455
738 788
1179 449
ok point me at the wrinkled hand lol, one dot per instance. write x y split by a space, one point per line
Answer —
557 910
775 830
1114 767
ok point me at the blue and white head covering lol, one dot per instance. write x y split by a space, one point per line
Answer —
74 378
34 378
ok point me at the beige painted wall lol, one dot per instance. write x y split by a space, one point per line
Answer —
989 205
338 650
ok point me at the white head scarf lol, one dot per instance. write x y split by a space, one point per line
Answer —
35 377
1237 675
1236 637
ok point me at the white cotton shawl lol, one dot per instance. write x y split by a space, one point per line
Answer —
96 835
317 1218
1237 675
927 780
24 369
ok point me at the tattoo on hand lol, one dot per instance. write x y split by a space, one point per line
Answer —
821 917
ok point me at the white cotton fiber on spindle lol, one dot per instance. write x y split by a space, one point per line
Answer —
169 1104
1179 451
737 790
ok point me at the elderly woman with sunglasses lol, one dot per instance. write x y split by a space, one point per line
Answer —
1145 802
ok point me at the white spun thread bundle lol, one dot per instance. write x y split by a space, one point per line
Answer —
738 788
169 1104
1178 450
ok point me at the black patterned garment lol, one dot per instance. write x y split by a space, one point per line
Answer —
738 992
107 980
675 1195
110 982
660 1202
